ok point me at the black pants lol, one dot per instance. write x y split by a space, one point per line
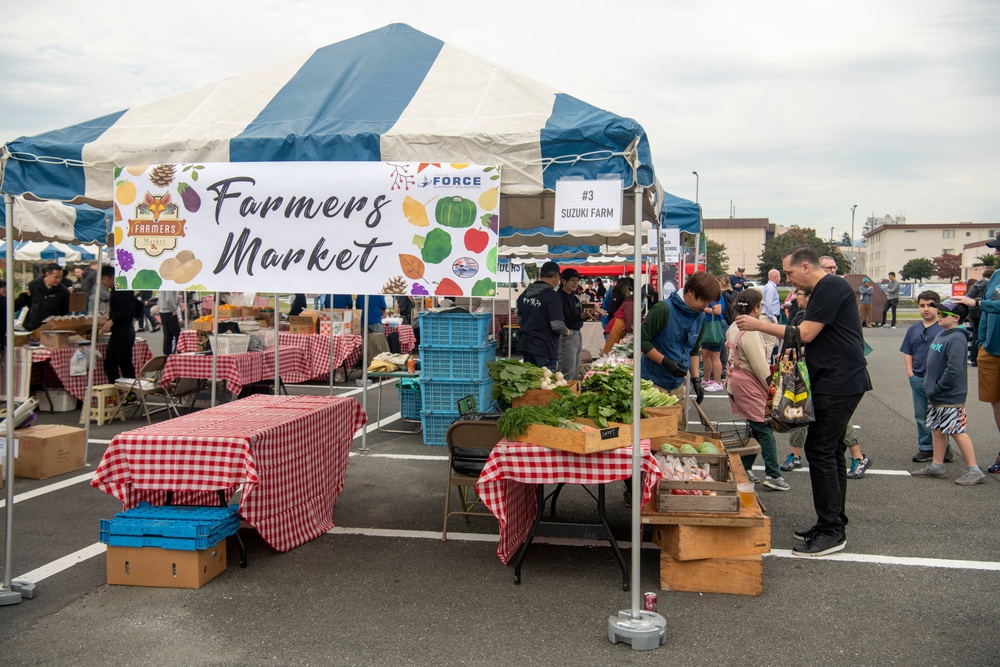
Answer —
825 447
171 331
889 303
118 357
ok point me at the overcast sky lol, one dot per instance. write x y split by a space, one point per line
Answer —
792 111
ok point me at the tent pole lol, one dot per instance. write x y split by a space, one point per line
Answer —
277 363
332 369
364 373
277 335
8 595
215 345
96 303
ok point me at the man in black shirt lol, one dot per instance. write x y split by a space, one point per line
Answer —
838 374
121 316
49 297
570 346
539 311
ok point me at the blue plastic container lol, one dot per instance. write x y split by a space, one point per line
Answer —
439 362
455 329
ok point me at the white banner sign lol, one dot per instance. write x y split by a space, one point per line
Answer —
671 244
328 227
588 206
509 273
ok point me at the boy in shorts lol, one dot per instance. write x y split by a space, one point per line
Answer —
946 385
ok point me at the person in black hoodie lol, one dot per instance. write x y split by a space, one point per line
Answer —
570 346
121 316
540 314
48 297
946 384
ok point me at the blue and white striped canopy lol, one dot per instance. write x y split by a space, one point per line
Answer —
391 94
57 221
39 251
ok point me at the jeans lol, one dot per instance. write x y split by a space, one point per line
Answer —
920 413
768 449
569 354
889 303
541 362
171 331
825 449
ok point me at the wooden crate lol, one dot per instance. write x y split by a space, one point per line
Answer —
670 411
542 396
736 575
684 542
725 501
587 442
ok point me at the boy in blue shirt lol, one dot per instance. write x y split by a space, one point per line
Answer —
916 343
946 385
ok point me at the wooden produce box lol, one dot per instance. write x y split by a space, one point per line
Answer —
725 501
735 575
675 411
79 325
684 542
587 442
542 396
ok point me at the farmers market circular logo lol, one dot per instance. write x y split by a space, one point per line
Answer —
157 224
465 267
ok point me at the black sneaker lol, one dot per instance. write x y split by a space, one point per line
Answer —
948 455
805 535
923 456
821 544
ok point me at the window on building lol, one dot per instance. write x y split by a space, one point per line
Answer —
967 234
947 251
911 231
948 234
910 250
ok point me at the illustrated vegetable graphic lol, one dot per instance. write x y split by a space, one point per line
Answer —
448 287
136 170
489 199
484 287
491 220
455 212
189 196
491 260
476 240
434 247
118 236
121 282
415 212
118 214
419 290
147 279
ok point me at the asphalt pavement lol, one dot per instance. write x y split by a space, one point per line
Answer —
916 585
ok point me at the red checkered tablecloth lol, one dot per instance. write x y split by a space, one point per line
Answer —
507 483
289 454
500 321
50 366
346 350
407 340
239 369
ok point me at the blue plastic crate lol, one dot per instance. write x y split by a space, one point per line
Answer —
172 543
435 426
443 395
455 329
178 527
409 402
438 362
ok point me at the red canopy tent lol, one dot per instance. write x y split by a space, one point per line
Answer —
610 270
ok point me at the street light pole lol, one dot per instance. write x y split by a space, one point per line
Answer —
697 180
853 248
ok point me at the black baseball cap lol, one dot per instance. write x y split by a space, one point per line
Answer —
995 243
549 269
959 310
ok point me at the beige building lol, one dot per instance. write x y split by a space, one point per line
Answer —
744 239
890 246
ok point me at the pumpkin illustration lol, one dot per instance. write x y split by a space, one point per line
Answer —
455 212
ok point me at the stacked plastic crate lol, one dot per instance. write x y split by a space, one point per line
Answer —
454 352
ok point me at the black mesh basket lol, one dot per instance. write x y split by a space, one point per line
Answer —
733 432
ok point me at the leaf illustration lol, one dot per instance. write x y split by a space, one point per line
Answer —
424 165
494 177
415 212
491 260
118 171
413 267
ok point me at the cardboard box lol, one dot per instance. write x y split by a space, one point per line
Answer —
301 329
80 325
55 337
48 450
303 324
165 568
201 326
77 302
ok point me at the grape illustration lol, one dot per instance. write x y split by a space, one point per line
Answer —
419 290
125 260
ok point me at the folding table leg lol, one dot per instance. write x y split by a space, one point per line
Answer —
611 537
540 490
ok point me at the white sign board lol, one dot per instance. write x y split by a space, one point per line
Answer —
328 227
588 206
509 273
671 244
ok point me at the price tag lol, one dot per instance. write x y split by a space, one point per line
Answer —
588 206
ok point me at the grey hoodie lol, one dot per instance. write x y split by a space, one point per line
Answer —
946 381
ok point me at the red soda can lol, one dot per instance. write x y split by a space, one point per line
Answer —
650 599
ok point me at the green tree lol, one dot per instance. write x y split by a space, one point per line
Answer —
917 269
986 260
845 240
779 245
716 259
948 266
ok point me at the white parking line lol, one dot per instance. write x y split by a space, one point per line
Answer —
64 563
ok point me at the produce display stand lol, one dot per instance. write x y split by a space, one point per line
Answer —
703 552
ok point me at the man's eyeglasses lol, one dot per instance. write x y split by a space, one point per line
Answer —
830 268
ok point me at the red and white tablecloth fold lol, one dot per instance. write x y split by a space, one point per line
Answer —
50 366
319 348
407 339
288 453
507 483
239 369
500 320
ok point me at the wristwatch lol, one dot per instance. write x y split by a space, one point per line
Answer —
978 301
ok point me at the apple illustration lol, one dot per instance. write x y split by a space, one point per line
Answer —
476 241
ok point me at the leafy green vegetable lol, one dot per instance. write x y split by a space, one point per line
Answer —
484 287
516 421
511 378
436 246
147 279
